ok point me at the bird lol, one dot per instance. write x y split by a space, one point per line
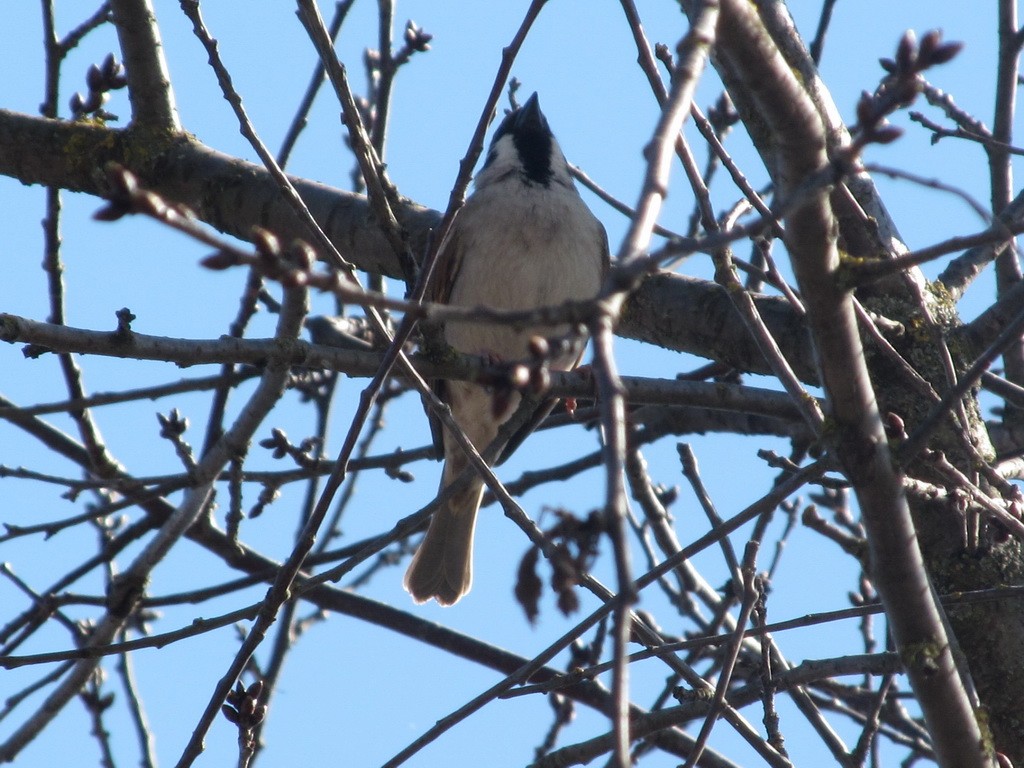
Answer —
524 239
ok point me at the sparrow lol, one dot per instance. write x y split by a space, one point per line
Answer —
524 239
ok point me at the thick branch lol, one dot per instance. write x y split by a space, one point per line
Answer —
232 195
897 568
229 194
149 83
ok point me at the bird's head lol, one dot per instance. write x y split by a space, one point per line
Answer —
524 149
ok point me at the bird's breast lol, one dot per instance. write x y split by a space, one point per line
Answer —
520 252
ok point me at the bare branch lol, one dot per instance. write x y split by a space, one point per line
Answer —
897 566
149 82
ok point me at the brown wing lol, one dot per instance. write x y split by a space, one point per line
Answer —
606 257
446 269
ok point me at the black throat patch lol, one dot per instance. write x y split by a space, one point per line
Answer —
534 148
532 140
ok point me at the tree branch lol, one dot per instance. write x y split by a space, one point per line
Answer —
668 310
897 568
149 82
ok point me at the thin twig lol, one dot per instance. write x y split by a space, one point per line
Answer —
750 596
316 80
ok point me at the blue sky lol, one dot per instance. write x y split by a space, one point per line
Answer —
354 694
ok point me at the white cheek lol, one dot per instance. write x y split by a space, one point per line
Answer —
502 160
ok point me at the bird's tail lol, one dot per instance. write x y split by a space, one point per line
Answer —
442 567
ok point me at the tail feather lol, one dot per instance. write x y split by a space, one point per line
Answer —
442 567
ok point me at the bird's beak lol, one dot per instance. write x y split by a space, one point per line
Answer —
530 116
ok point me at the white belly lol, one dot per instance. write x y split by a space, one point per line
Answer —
534 250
